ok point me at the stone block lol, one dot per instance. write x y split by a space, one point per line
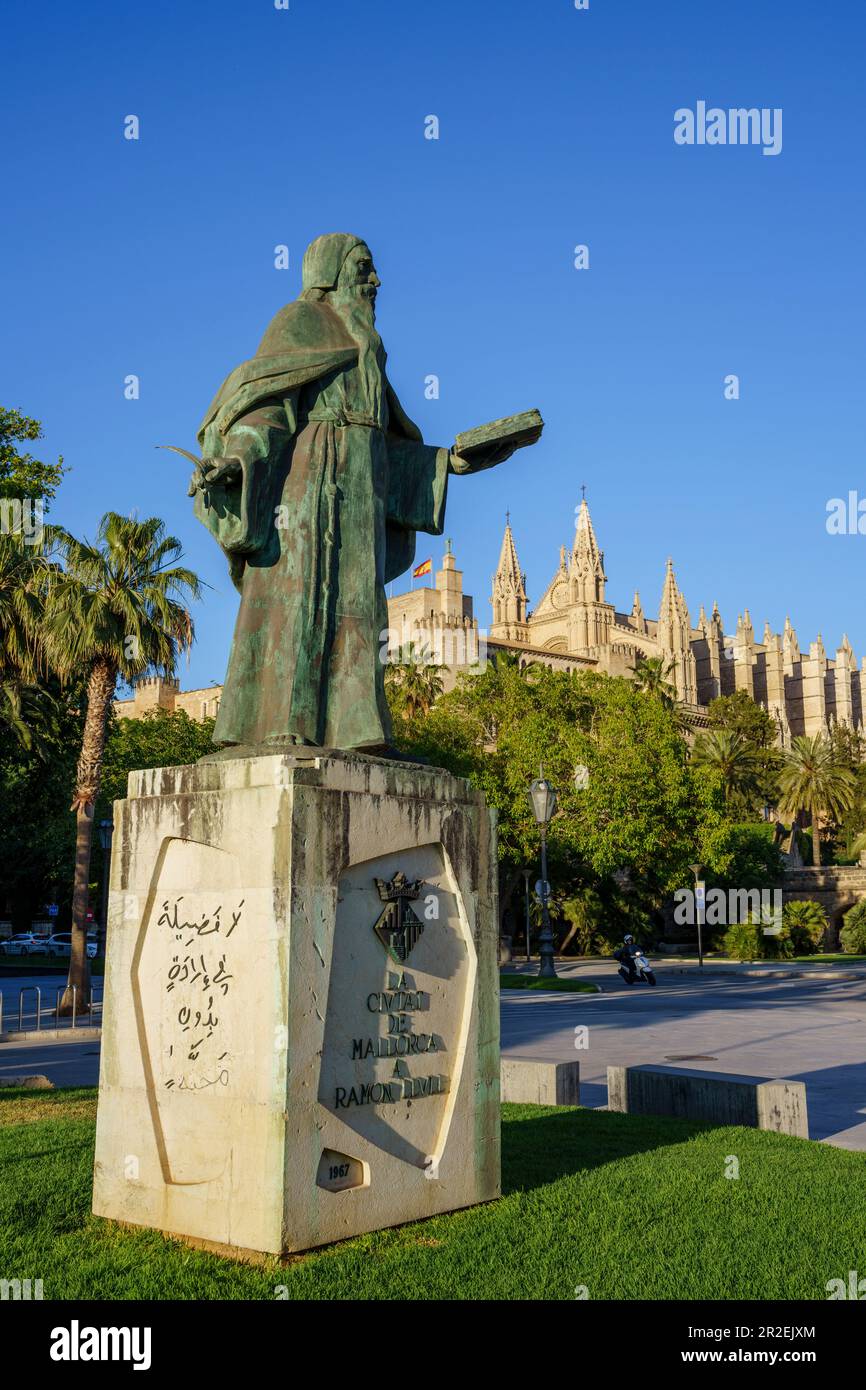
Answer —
526 1081
719 1097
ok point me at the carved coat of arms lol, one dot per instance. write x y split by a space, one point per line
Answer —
397 926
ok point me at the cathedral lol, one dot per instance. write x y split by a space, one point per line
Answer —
574 627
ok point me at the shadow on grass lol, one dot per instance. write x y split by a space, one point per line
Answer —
540 1145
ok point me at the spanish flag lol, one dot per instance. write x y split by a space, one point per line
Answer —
424 568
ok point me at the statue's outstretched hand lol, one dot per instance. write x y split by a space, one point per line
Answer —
211 471
481 458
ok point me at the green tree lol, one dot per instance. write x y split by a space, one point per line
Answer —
22 475
812 780
117 607
847 831
160 738
743 855
637 814
37 846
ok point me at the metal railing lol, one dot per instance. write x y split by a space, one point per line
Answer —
51 1018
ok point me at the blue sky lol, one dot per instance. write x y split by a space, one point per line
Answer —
261 127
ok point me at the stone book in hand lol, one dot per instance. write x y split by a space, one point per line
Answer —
512 432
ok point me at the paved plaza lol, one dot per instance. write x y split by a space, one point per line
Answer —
809 1029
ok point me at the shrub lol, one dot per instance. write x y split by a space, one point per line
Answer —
806 923
749 941
853 934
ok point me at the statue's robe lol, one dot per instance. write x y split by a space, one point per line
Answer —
324 516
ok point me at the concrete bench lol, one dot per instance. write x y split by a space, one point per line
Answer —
720 1097
526 1081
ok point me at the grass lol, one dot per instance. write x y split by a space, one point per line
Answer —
630 1207
830 958
533 982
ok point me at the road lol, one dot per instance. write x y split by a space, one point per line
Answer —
64 1063
801 1029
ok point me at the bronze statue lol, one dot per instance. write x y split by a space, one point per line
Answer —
314 482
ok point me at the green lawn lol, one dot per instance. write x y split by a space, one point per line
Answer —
830 958
628 1207
533 982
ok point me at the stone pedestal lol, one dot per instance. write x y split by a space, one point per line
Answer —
301 1026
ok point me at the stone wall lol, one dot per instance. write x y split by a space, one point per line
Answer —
836 888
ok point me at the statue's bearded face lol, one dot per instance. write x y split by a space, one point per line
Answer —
358 280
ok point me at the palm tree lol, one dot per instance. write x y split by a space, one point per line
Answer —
117 607
727 753
651 676
812 780
25 705
415 681
21 568
806 922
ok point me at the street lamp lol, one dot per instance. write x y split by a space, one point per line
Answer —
105 829
700 890
543 799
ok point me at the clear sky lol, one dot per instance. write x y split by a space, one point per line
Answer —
261 127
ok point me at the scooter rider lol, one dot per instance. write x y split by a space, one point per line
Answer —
625 956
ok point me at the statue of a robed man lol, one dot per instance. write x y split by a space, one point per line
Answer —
314 482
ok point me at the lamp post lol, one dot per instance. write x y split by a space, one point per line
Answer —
106 830
700 890
543 798
527 874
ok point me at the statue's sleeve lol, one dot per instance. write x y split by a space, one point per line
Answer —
241 514
417 485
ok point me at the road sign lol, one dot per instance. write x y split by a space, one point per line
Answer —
542 888
53 909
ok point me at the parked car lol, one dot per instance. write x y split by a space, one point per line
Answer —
60 945
24 943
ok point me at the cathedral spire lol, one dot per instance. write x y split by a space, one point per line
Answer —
638 620
508 571
790 645
674 629
509 584
587 561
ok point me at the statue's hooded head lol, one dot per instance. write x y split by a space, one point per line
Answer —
323 260
339 263
339 268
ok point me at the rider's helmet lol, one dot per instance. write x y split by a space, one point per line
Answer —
628 938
